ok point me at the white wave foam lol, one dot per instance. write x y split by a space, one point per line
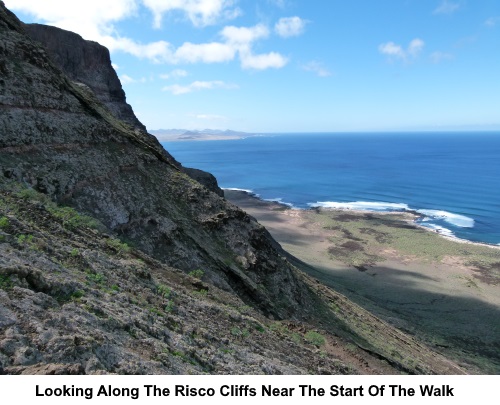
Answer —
279 201
441 230
238 189
361 205
455 219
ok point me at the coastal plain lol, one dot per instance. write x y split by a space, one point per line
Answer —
443 291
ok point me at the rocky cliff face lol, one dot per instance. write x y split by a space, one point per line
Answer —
86 62
57 138
89 63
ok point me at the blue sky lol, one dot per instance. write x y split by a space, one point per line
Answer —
296 65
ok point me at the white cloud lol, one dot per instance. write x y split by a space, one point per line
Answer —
290 27
92 19
415 47
115 66
126 79
210 117
316 68
262 61
213 52
391 49
438 56
278 3
447 7
492 21
174 74
177 89
398 52
244 35
95 19
199 12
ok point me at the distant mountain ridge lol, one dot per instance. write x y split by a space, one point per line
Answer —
203 134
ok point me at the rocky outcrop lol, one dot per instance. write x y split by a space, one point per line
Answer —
86 62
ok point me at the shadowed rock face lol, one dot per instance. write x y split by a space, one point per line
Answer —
87 62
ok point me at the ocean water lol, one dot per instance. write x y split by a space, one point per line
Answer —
451 179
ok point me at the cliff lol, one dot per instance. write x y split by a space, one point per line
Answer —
89 63
72 293
86 62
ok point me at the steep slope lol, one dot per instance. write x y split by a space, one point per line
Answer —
89 63
58 138
74 300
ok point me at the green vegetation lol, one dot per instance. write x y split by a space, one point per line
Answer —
5 282
202 292
278 327
4 223
63 298
97 279
169 307
315 338
235 331
24 239
118 245
163 291
197 273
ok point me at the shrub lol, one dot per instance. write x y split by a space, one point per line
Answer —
72 219
118 245
315 338
163 290
197 273
4 223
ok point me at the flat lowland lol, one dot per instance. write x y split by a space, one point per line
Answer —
444 292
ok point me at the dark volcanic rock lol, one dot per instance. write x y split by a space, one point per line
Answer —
89 63
207 179
86 62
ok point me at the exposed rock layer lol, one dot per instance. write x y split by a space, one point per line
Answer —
86 62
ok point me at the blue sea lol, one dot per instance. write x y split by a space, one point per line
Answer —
451 179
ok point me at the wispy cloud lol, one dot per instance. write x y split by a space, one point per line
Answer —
279 3
210 117
447 7
126 79
316 68
438 57
290 27
174 74
177 89
199 12
395 51
492 21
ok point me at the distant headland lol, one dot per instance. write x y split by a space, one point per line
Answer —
174 135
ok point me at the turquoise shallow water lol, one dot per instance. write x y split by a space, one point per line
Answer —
451 179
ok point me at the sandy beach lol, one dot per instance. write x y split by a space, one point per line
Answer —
443 291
